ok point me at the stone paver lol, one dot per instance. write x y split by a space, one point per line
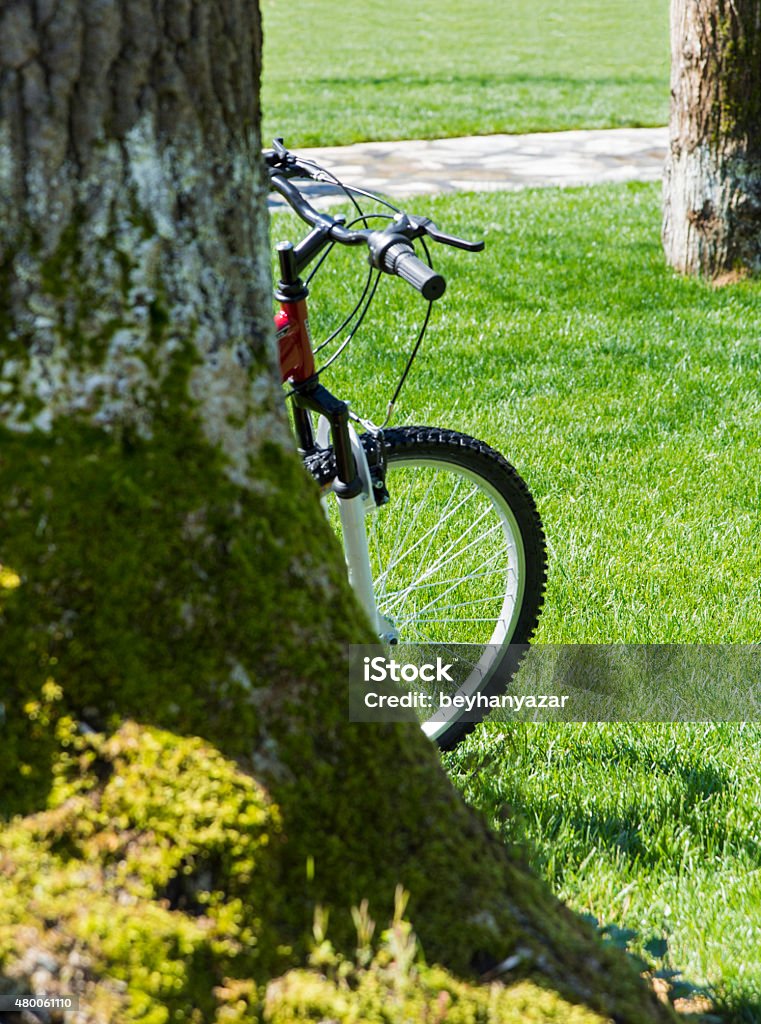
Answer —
495 162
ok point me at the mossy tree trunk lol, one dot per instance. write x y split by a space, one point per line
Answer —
146 466
712 189
163 557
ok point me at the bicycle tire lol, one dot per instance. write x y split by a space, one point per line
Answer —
438 479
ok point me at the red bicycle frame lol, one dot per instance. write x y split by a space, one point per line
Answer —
294 341
298 367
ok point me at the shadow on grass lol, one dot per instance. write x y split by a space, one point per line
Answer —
633 831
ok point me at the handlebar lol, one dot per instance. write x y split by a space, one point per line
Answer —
305 210
390 249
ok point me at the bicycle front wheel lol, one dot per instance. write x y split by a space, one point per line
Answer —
458 558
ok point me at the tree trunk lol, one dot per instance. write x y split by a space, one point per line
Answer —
712 188
163 558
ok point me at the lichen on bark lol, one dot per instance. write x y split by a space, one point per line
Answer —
130 159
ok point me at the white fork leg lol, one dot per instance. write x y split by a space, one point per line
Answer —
352 512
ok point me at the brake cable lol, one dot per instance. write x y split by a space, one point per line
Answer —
348 319
350 192
357 325
421 335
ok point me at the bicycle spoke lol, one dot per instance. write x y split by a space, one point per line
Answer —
438 564
438 597
464 604
401 540
430 604
440 521
449 555
458 579
417 619
442 518
441 583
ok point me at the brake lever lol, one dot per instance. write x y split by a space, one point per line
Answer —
444 239
280 160
413 226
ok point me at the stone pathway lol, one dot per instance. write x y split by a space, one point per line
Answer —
490 163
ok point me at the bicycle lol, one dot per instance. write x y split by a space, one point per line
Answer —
442 539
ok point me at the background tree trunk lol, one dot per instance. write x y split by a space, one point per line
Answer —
712 189
165 559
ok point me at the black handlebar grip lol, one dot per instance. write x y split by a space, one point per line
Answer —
401 260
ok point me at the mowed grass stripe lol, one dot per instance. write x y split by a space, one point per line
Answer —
335 74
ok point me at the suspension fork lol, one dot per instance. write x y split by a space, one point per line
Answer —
349 489
297 366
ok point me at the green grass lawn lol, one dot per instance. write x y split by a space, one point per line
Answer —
652 829
628 398
337 73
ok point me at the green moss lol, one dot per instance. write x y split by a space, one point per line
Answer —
392 984
12 347
81 322
151 584
177 852
75 296
374 813
195 897
180 857
736 73
28 744
434 995
62 266
159 320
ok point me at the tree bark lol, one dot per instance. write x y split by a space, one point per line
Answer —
712 187
164 559
132 215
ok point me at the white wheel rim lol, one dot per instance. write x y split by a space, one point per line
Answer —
415 570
